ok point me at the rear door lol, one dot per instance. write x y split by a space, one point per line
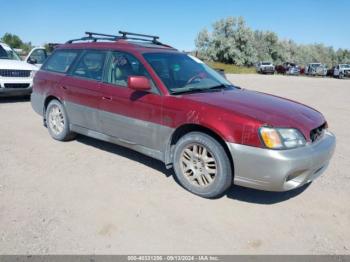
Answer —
133 117
82 89
56 68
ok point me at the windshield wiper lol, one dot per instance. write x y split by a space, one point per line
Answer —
220 87
198 90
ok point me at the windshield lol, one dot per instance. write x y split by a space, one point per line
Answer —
315 65
345 66
266 63
184 73
8 53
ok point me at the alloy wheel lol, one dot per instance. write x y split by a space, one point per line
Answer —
198 165
56 120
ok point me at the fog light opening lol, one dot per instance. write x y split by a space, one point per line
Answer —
296 176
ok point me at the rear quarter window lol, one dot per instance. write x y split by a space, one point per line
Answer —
60 61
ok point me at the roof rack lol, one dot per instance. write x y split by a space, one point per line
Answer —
94 37
125 36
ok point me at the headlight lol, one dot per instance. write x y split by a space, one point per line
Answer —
281 138
32 73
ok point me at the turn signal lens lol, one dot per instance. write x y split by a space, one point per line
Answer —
271 138
281 138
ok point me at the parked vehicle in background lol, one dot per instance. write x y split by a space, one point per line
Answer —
288 68
37 56
280 69
171 106
16 76
220 71
293 70
342 70
51 47
316 69
265 68
330 71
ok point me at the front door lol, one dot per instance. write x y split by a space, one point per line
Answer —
134 117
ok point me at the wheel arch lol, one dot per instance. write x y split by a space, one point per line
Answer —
187 128
47 100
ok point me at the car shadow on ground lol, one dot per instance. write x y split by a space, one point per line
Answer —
263 197
234 193
15 99
125 152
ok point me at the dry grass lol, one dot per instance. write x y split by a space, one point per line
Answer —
232 69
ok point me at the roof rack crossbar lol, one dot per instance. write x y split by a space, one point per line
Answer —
125 34
94 39
91 34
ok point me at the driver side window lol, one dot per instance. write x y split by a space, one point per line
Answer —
121 66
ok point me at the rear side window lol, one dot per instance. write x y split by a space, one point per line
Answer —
90 65
60 61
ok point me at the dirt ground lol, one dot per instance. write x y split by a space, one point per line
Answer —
87 196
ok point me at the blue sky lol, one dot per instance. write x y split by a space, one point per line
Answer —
177 22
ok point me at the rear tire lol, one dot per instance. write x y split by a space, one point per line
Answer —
57 122
202 166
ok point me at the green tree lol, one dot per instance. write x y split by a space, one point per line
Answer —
343 56
232 41
15 42
12 40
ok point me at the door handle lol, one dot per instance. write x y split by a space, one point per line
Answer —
107 98
64 87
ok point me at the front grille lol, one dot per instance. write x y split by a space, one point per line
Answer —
14 73
318 132
16 85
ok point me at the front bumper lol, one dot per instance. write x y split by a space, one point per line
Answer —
281 170
293 72
267 70
14 90
347 73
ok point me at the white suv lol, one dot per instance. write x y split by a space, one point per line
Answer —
16 76
342 70
316 69
265 68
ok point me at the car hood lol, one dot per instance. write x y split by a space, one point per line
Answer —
267 109
16 65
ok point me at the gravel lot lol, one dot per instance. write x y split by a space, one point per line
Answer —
87 196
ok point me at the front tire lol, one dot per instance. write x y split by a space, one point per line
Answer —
202 166
57 122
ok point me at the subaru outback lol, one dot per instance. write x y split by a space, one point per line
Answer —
134 91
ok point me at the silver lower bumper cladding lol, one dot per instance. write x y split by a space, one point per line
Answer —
281 170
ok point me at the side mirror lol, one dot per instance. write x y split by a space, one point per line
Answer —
31 60
139 83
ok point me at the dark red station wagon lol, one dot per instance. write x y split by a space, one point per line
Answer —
132 90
